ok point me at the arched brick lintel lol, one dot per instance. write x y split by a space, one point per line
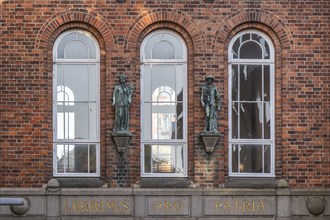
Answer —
255 16
167 15
90 18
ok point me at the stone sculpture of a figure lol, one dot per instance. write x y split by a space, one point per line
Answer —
122 98
210 99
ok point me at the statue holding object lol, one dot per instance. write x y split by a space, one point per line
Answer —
210 100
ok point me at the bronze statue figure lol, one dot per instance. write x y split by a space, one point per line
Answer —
210 99
122 98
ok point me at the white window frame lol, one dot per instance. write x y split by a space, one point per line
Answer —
271 141
183 141
96 141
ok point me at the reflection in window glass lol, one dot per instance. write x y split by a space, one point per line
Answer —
251 105
163 105
164 159
76 158
76 105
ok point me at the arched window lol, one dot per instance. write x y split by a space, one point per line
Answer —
164 105
251 105
76 104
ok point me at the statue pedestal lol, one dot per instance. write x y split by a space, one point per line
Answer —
121 140
210 139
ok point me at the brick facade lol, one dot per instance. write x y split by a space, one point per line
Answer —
300 31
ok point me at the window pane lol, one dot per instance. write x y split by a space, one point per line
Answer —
76 50
250 50
89 44
76 79
92 83
163 121
163 50
267 160
234 121
250 120
64 41
250 82
92 116
180 122
251 158
60 151
163 75
74 158
164 158
267 120
265 47
235 48
179 81
266 83
80 127
234 79
234 159
147 122
147 158
92 158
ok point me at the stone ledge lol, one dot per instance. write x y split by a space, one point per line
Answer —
77 182
253 183
164 182
239 192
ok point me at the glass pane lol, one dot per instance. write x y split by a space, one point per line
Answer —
73 158
251 158
92 83
147 158
250 82
75 50
265 47
163 94
267 161
147 122
250 120
78 158
147 85
180 122
60 152
234 158
250 50
60 75
234 85
246 37
65 123
234 120
163 50
267 83
80 113
164 158
92 121
163 121
176 44
64 41
89 43
92 158
235 48
267 120
76 79
163 75
179 82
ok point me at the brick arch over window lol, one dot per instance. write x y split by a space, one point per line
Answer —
167 15
80 19
282 39
256 16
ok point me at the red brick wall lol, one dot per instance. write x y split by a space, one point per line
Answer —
300 31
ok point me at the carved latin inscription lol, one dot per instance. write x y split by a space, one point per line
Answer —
239 205
98 206
171 205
